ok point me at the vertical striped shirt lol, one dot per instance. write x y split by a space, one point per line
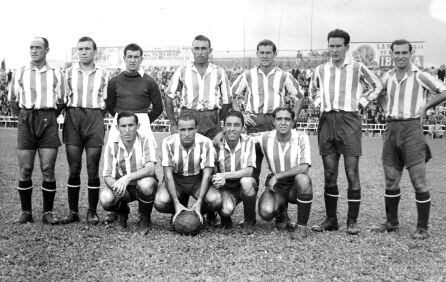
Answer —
118 162
37 88
262 93
406 97
341 89
86 89
244 155
187 162
296 151
197 92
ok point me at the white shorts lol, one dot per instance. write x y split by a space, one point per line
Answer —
144 128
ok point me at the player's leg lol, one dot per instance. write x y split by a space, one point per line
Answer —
163 201
118 205
417 175
270 204
74 158
248 196
211 204
331 193
93 155
351 164
48 158
25 187
228 204
301 192
146 190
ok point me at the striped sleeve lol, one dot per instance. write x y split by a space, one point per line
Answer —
225 89
315 88
373 82
166 154
149 151
106 78
207 155
239 86
173 84
13 93
431 83
293 87
108 160
66 81
304 150
250 153
60 87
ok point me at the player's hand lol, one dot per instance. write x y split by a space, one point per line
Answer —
120 185
250 119
178 208
272 182
218 181
197 208
218 138
173 129
422 113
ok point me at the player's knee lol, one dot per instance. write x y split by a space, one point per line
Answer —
266 210
163 202
227 208
213 199
303 182
248 185
107 200
147 186
93 172
26 172
47 171
75 169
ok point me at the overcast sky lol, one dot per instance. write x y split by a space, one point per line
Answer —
175 22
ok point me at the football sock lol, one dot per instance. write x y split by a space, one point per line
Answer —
423 201
48 193
25 192
304 208
354 202
93 194
73 187
145 205
392 199
249 208
331 195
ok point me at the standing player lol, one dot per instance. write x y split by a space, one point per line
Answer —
234 181
338 87
289 158
129 172
84 127
263 89
133 91
405 104
188 162
37 97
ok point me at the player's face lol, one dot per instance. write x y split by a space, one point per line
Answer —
38 50
86 52
401 56
127 127
283 122
266 55
233 128
187 130
132 60
201 51
337 49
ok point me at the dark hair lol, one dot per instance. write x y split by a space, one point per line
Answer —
86 38
401 42
276 110
202 38
267 42
188 115
235 114
126 114
133 47
339 33
45 41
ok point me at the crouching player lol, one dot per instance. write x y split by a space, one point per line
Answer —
289 158
188 162
236 160
129 172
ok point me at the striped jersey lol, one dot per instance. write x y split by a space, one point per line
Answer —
296 151
37 88
187 162
341 89
86 89
118 162
406 97
262 93
244 155
197 92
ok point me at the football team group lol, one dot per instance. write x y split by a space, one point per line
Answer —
215 150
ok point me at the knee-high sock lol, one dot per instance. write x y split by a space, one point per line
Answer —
48 193
392 200
331 195
354 202
25 189
304 208
423 201
93 194
73 187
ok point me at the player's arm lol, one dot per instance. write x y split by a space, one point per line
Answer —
207 176
315 88
109 181
13 94
238 88
299 169
60 92
226 97
373 83
110 102
435 86
170 185
157 102
246 172
382 96
170 94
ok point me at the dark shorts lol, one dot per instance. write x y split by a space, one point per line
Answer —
187 185
404 144
37 129
84 127
264 122
208 122
340 133
282 185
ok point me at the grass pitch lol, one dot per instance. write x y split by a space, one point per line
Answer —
81 252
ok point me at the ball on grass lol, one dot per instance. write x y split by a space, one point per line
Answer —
187 223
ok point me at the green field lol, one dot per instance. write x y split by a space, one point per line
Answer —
81 252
